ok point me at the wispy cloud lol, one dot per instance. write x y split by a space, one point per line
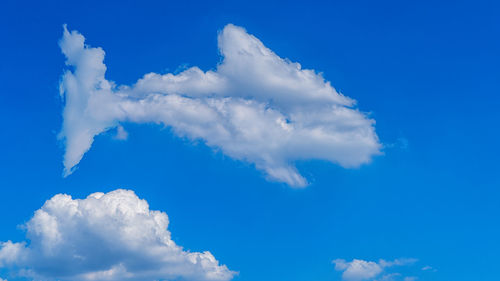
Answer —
429 268
358 270
255 106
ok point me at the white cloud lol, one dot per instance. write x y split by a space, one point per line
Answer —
429 268
357 270
389 277
398 262
112 236
121 134
254 107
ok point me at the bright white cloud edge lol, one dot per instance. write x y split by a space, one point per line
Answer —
254 107
107 236
359 270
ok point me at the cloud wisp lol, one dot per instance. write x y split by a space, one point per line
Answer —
359 270
254 106
107 236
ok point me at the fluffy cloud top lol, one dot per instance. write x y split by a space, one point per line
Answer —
358 270
255 107
112 236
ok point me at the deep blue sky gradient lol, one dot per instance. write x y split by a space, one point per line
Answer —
428 71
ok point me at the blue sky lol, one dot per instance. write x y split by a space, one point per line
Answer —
426 72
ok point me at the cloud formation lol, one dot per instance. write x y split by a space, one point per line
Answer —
429 268
255 107
107 236
358 270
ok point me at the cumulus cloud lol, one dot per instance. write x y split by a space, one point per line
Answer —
254 106
107 236
358 270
